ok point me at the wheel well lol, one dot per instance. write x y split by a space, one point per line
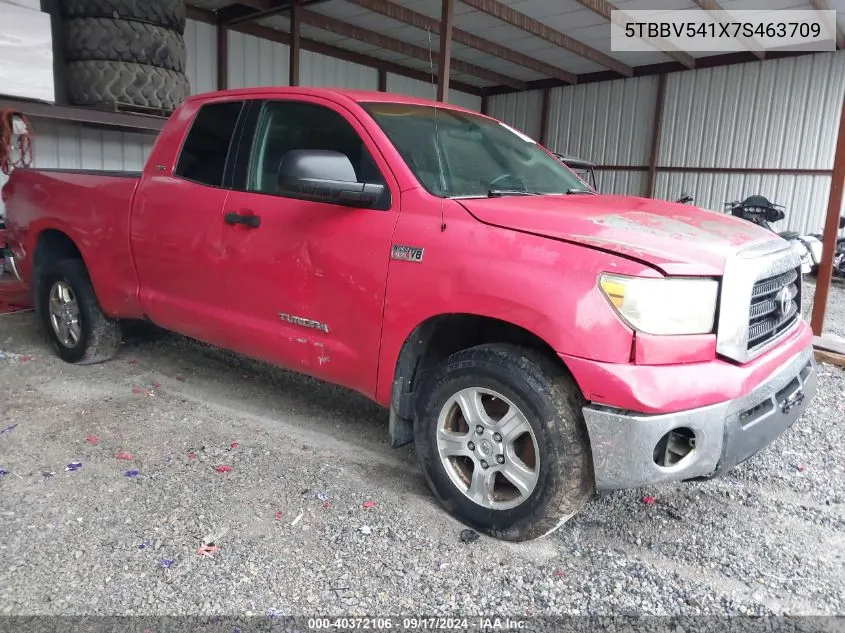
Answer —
54 246
432 342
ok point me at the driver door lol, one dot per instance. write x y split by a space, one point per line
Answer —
307 279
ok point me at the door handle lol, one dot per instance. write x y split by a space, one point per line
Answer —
249 221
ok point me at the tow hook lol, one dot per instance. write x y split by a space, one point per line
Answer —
792 401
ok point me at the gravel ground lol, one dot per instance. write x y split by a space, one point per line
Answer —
834 320
290 521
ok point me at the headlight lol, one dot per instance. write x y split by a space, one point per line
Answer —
663 305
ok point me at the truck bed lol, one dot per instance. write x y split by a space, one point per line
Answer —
91 206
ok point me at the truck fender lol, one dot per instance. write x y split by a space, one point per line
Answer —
431 342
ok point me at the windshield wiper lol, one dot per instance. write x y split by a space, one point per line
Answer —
498 193
574 191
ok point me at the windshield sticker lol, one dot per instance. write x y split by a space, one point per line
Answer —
524 137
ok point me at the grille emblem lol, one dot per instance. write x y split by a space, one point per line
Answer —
783 300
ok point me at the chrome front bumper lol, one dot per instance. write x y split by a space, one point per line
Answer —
726 434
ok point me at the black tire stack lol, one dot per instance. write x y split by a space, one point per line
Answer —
126 52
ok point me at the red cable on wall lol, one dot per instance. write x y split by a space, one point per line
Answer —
18 154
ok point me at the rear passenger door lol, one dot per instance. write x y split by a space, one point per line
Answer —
177 226
307 279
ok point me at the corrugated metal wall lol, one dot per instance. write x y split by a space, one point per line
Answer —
775 114
260 62
609 123
327 72
623 182
780 114
69 146
256 62
804 197
520 110
201 46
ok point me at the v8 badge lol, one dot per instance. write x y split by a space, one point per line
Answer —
407 253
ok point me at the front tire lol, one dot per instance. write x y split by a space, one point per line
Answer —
77 327
501 438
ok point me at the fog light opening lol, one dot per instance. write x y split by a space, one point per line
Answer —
674 447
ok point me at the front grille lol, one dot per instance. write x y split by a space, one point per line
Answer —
769 316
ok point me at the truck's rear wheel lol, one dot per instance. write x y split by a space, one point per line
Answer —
501 438
77 328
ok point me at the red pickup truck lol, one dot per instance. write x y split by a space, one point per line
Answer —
538 342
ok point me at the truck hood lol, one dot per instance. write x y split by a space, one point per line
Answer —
678 239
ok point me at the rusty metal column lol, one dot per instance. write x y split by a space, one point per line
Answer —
544 117
831 230
222 57
656 134
444 55
295 22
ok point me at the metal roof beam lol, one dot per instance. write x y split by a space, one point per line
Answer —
538 29
401 14
339 27
275 35
252 10
605 9
821 5
724 18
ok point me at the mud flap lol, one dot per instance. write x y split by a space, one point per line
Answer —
401 430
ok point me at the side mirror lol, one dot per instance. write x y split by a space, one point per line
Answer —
327 176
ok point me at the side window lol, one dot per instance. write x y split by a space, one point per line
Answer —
203 157
289 125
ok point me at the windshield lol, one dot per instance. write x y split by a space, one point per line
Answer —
463 155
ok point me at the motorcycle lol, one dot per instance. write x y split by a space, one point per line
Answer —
762 212
838 253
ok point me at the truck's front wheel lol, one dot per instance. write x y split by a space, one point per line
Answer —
72 317
501 438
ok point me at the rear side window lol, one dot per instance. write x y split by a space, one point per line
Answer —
203 157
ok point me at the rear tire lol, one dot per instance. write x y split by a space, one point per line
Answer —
554 463
94 337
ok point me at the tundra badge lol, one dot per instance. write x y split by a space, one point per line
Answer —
407 253
298 320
